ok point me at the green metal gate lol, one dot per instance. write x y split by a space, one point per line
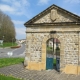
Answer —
52 59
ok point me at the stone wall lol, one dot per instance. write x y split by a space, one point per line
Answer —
34 46
59 17
69 47
52 28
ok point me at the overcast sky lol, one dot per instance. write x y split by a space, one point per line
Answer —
21 11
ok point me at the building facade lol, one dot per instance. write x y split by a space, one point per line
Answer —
53 23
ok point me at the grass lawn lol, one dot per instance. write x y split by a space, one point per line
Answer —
49 48
8 44
54 61
10 61
3 77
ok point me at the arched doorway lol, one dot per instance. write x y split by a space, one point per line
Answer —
53 54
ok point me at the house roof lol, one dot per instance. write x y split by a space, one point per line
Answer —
30 22
55 40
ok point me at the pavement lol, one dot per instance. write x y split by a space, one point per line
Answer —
4 51
8 52
19 71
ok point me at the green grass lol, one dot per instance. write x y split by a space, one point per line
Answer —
49 48
3 77
8 44
7 62
10 61
54 61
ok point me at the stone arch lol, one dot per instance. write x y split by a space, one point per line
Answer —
62 63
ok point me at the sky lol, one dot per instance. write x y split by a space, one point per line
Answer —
20 11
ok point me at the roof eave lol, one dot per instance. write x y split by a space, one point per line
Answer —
49 8
52 24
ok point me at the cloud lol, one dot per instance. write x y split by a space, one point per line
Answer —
16 7
42 2
20 32
21 2
6 8
6 1
77 14
20 29
72 1
18 22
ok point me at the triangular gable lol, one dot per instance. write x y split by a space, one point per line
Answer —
54 14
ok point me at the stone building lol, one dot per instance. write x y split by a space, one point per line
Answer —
53 23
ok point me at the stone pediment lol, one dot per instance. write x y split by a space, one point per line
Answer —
54 14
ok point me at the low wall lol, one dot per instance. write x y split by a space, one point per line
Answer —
36 66
72 69
69 69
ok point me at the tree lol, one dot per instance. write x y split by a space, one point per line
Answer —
7 28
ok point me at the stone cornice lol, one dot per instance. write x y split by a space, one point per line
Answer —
52 33
53 24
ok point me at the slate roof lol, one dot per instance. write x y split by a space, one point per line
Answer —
30 22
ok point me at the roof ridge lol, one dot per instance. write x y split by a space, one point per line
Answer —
49 8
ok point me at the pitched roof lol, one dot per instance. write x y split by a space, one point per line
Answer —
47 10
